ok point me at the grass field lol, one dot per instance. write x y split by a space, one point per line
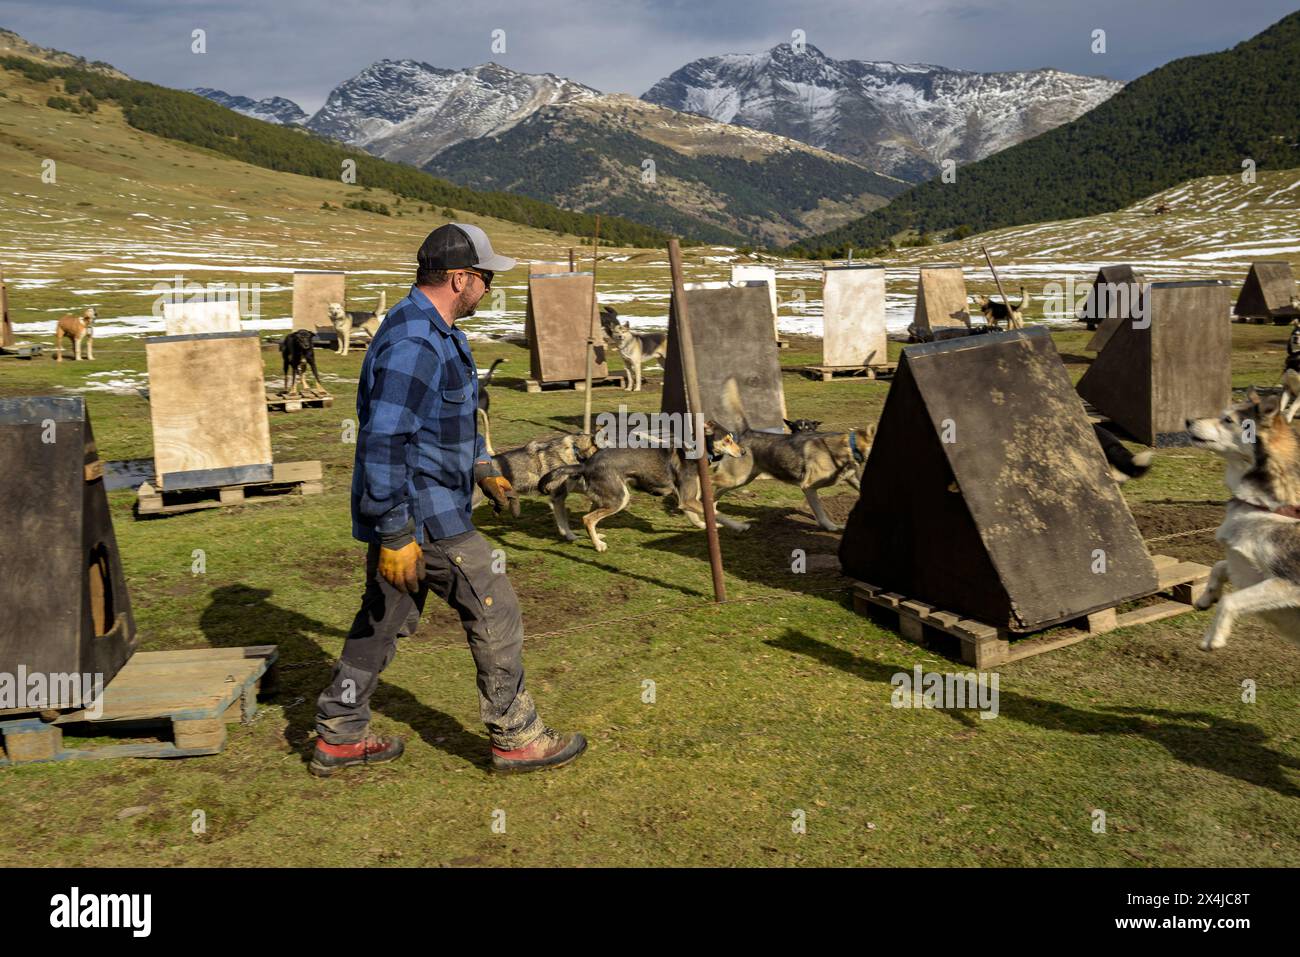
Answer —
777 701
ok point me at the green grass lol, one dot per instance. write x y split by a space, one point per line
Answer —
775 701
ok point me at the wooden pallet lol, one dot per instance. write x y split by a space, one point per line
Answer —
827 373
284 402
175 703
985 646
287 478
577 385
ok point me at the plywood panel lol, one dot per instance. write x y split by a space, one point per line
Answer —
192 318
853 316
756 272
207 401
941 298
728 326
313 291
986 493
557 324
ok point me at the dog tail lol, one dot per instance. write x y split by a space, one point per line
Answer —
733 408
566 478
1124 465
487 379
1023 299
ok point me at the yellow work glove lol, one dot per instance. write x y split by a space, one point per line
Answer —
401 566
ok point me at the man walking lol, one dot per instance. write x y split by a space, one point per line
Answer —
419 456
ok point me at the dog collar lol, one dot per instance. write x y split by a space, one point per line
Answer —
1286 511
853 446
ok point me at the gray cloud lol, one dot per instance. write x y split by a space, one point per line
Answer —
302 49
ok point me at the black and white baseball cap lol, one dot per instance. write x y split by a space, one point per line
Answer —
460 246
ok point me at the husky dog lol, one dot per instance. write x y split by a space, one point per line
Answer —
1262 528
347 322
810 460
996 313
605 479
802 425
76 328
634 347
1124 465
299 355
484 404
525 466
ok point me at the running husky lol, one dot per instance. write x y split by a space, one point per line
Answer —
605 479
634 347
1262 528
525 466
810 460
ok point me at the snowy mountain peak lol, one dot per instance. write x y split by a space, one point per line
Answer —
410 111
904 119
273 109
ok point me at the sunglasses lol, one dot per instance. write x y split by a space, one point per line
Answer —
483 274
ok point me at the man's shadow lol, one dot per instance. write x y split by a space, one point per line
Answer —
240 615
1232 748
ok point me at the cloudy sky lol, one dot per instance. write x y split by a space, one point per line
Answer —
303 48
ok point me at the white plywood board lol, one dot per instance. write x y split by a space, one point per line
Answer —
853 316
191 318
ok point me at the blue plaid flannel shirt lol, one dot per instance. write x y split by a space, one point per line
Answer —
417 436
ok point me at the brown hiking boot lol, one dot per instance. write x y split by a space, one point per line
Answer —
371 749
550 749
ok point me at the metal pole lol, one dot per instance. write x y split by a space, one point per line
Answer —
686 349
591 330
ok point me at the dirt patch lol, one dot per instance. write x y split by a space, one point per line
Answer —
1182 529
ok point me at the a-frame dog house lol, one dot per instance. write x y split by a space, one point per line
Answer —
207 402
853 317
1267 293
1167 366
64 607
313 291
1114 297
557 323
986 493
941 300
729 329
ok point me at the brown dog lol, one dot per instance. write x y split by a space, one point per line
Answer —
76 328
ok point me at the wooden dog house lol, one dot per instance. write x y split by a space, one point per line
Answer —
557 323
986 493
207 401
729 324
758 272
1115 297
853 317
192 318
64 607
1266 294
313 291
941 301
1167 366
